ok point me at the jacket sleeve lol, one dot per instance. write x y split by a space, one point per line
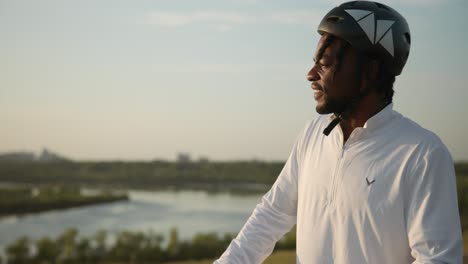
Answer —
433 221
272 218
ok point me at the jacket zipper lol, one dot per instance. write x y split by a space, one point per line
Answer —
336 177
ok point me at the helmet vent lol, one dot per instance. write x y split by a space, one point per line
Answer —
407 37
334 19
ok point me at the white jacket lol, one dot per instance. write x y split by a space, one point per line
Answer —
387 196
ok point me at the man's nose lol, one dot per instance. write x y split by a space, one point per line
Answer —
312 75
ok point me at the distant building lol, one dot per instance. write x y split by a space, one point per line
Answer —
45 156
17 156
48 156
183 158
203 160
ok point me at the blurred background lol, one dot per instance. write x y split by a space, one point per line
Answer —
147 131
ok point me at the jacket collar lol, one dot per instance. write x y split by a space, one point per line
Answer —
376 121
380 119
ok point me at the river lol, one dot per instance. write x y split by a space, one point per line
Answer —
159 211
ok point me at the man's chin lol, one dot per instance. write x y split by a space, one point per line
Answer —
332 106
322 109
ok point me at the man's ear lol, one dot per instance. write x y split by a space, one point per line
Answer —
369 75
373 68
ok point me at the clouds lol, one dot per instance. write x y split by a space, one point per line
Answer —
174 19
225 20
223 68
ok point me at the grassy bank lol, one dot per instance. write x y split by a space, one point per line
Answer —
33 200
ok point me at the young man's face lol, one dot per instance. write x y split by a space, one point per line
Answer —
334 88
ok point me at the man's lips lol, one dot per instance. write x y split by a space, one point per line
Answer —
318 91
316 87
318 94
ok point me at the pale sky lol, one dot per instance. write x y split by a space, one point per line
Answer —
222 79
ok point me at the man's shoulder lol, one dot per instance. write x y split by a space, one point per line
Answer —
411 132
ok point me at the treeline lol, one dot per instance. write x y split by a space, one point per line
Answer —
155 174
461 170
129 247
30 200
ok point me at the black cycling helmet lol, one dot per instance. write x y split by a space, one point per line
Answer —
372 28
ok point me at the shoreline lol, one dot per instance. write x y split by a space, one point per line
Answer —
19 201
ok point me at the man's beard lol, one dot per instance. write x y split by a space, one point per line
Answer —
336 105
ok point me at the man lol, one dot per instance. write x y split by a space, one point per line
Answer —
363 184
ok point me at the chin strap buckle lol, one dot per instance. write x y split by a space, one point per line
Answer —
336 120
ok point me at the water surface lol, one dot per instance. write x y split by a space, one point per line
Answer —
188 211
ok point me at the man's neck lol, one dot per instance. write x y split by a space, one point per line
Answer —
366 109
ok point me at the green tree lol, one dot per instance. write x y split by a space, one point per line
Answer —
47 251
151 249
206 246
19 251
173 246
84 251
98 246
67 242
127 247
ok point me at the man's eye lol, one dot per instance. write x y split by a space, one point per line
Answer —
322 66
